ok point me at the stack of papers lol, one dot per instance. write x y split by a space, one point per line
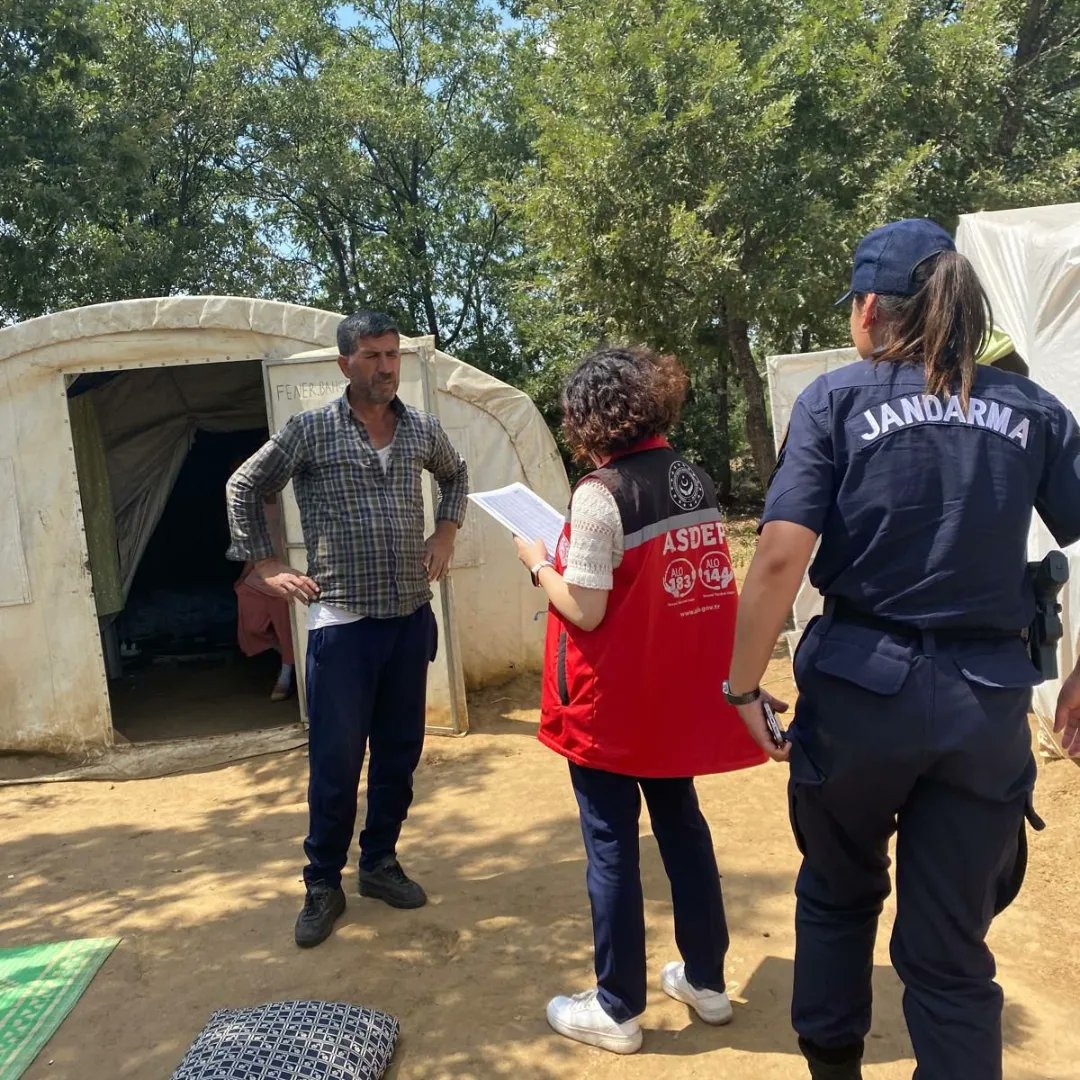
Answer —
524 513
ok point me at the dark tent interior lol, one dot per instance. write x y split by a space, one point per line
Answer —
154 449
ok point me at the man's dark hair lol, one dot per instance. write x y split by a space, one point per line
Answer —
619 395
363 324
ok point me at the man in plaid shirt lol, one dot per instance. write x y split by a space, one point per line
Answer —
356 466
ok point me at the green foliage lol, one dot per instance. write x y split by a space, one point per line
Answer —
130 188
46 167
377 150
526 180
704 169
175 98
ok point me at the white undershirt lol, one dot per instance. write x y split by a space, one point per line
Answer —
323 615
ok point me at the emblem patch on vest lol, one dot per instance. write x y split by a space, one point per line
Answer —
687 491
715 573
679 578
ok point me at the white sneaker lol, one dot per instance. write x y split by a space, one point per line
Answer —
582 1017
711 1005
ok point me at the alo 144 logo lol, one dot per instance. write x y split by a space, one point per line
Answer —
716 573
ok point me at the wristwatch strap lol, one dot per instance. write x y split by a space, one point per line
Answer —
740 699
534 573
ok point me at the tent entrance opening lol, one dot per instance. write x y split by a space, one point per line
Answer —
153 450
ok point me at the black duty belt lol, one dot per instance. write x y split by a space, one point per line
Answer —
844 612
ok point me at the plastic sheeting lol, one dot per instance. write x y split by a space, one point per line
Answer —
148 421
1029 263
99 519
788 376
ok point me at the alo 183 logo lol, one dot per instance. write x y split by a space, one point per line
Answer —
679 578
715 572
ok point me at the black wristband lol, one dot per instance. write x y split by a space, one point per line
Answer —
740 699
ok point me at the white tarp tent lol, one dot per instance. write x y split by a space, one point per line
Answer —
188 353
788 376
1029 262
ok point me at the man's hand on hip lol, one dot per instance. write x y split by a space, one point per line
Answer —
282 580
439 550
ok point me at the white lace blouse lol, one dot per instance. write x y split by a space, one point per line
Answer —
596 538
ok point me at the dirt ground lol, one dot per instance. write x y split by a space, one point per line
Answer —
200 699
199 874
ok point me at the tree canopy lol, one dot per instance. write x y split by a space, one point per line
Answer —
523 180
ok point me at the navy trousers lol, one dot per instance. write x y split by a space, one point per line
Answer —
366 689
928 738
610 806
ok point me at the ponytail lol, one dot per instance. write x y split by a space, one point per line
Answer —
946 324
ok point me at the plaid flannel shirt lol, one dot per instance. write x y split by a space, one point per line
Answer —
364 530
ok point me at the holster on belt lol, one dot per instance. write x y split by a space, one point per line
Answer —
1047 578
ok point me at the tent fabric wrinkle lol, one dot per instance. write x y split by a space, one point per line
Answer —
149 419
1029 263
99 518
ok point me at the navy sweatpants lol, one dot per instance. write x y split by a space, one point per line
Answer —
366 689
610 806
928 738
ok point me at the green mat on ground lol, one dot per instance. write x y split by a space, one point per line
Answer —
39 985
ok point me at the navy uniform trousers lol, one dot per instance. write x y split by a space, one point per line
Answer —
924 735
610 806
366 689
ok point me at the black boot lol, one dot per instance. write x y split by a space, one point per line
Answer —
390 883
322 906
833 1062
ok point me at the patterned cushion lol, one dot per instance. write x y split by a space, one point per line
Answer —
292 1040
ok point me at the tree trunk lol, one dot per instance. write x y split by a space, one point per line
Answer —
429 310
1030 40
758 434
722 475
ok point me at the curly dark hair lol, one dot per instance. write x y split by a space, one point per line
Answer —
619 395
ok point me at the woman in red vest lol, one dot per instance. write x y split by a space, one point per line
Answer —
641 616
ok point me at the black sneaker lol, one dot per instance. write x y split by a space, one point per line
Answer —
388 882
322 906
833 1063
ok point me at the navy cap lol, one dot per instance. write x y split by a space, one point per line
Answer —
886 259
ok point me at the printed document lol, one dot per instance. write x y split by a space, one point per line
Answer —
524 513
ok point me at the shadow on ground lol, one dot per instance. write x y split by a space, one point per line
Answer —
199 875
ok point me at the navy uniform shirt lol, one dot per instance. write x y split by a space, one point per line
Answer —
923 509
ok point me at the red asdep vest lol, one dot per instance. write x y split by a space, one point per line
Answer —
641 694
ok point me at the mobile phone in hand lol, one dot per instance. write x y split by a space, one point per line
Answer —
776 732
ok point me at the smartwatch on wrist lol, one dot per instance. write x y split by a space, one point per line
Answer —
740 699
